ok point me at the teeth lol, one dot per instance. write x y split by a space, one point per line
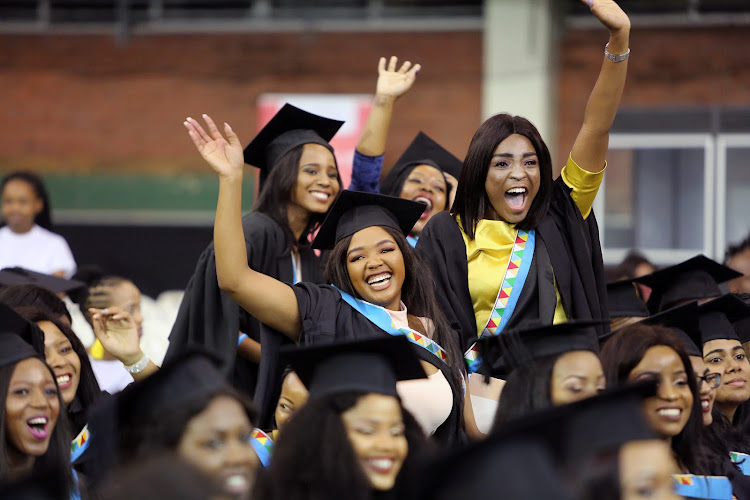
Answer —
669 412
378 278
516 191
382 463
422 199
63 379
704 404
237 481
38 421
320 196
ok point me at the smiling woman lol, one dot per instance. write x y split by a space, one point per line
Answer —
31 437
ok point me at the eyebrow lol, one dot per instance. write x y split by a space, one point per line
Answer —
508 155
357 249
719 351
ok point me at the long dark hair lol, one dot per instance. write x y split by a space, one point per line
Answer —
417 293
88 391
58 452
276 195
314 460
43 218
34 296
470 205
622 353
527 389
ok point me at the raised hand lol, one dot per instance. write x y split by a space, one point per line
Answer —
223 154
609 14
118 333
392 82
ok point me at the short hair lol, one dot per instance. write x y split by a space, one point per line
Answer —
626 268
96 292
276 194
43 218
471 206
528 389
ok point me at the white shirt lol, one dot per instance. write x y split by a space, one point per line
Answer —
38 250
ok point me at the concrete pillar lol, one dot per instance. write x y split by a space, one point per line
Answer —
520 62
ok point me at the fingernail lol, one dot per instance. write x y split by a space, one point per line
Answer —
590 2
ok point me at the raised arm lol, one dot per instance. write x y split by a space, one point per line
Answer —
592 142
392 84
267 299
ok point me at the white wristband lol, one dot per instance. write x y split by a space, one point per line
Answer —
138 366
616 57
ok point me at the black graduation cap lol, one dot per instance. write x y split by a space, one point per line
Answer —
371 365
560 438
115 420
12 323
503 353
742 327
695 279
21 276
289 128
423 150
623 300
715 318
355 210
14 349
682 320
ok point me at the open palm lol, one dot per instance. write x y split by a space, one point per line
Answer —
609 14
225 155
394 82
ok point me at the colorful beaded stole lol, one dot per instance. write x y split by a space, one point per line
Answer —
79 444
263 446
511 286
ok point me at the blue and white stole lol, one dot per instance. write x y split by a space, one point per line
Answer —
708 487
511 286
412 240
80 444
379 317
741 460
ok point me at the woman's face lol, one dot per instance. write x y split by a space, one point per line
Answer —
127 297
20 205
293 397
576 375
31 408
375 428
726 356
513 179
646 469
317 179
425 184
376 267
706 392
669 410
62 359
217 441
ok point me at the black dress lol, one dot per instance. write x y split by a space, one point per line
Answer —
210 318
566 243
326 318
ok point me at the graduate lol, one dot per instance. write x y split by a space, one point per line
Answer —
425 171
543 367
187 408
34 437
697 278
625 306
518 245
353 438
300 181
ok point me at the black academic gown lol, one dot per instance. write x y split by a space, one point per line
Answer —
327 318
565 242
210 318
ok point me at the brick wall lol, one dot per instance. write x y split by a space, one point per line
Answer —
83 103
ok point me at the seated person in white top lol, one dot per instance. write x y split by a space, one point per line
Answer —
26 240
